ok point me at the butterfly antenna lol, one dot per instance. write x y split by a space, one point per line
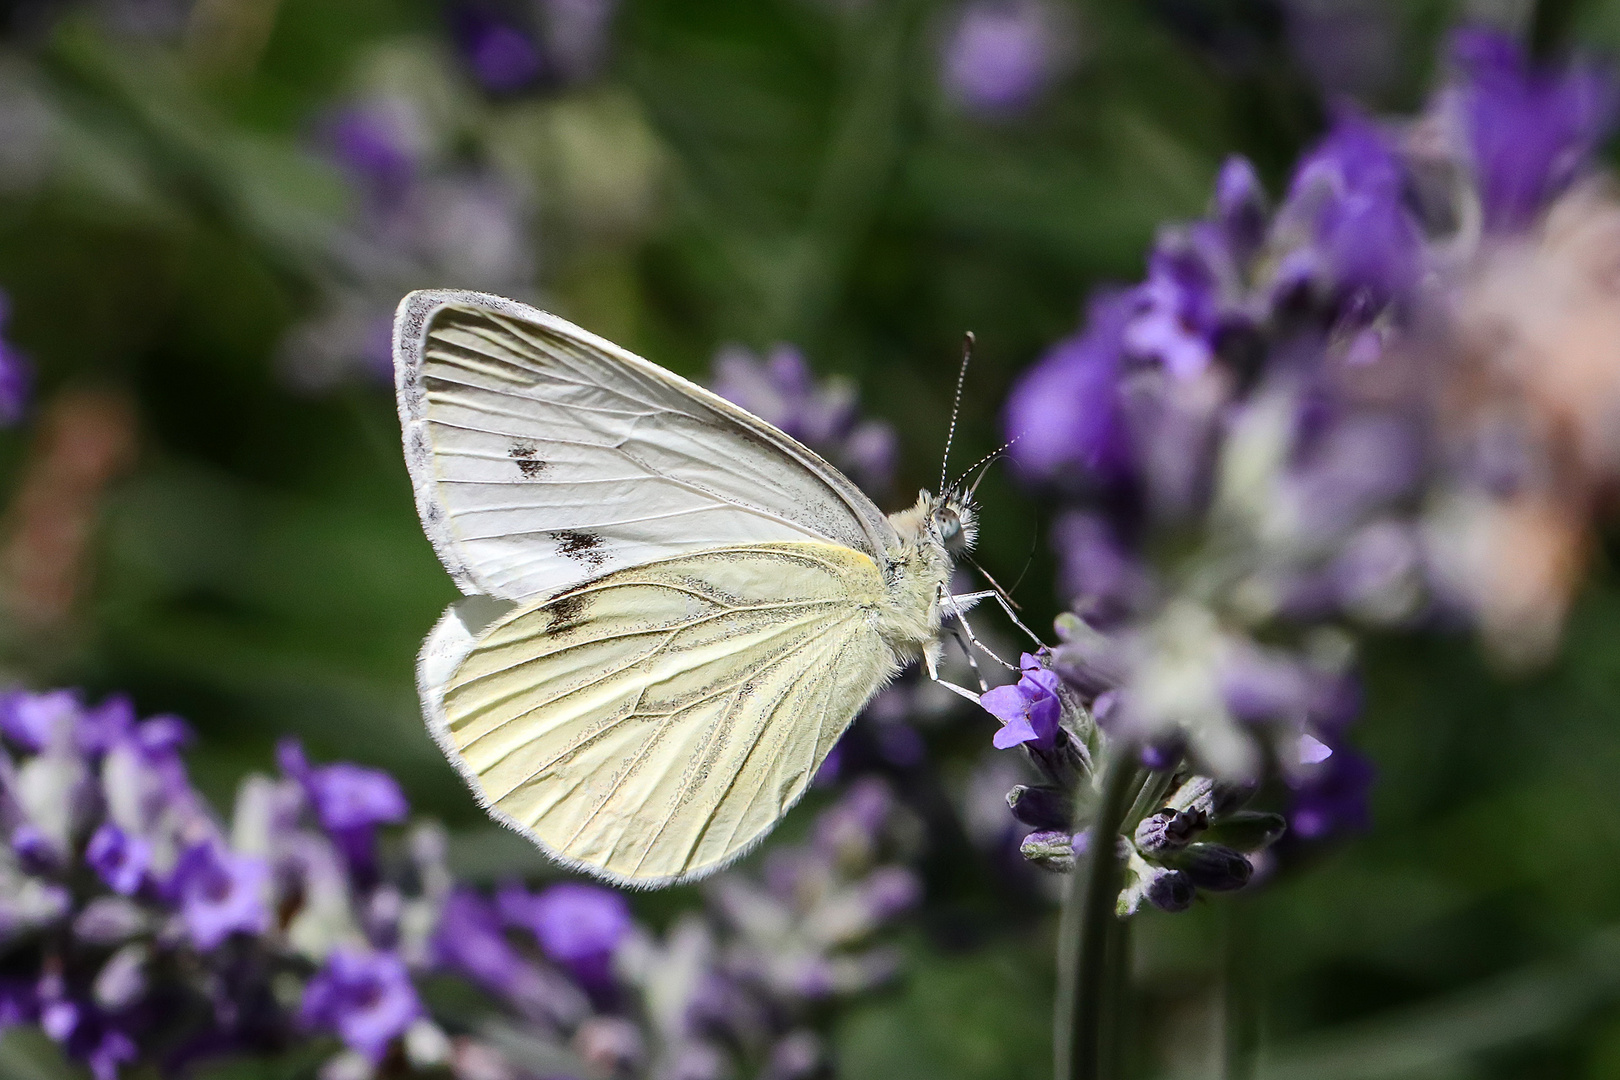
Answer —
988 460
956 407
994 584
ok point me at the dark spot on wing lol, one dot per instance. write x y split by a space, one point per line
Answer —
582 546
528 464
568 612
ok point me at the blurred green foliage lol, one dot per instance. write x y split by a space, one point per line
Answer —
756 171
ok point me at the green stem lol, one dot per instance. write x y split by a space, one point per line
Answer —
1242 1019
1088 923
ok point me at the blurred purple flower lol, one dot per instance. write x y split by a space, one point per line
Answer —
1001 54
16 375
1103 581
1240 206
469 939
1530 132
366 997
350 800
119 858
782 390
221 893
580 926
1331 796
503 56
369 141
1348 195
1029 709
1064 412
35 721
1175 320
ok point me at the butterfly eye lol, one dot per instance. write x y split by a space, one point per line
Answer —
948 524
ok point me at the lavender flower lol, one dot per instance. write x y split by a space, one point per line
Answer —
503 57
163 936
579 926
1530 132
1263 452
366 997
1001 55
780 389
221 894
1029 710
349 801
121 859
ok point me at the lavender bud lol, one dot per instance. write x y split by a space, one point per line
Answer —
1169 830
1248 830
1215 799
1041 807
1170 890
1216 868
1050 849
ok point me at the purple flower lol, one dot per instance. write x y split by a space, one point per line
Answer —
1348 194
469 939
18 1002
1104 581
782 390
371 143
1240 206
366 997
578 925
16 375
1029 709
143 775
1175 320
350 800
106 725
1000 56
35 721
504 58
221 893
1331 796
119 858
1064 412
1530 132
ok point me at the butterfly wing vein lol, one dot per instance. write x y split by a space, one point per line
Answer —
543 456
653 724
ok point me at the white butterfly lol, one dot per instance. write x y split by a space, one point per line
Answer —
674 609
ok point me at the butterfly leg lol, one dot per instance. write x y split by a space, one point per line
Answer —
973 661
992 594
933 673
953 605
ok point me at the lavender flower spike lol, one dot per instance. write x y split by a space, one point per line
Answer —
366 997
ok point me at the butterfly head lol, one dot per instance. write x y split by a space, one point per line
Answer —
952 519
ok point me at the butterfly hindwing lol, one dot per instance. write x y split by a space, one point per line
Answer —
653 724
543 456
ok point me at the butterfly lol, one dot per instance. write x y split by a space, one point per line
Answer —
673 609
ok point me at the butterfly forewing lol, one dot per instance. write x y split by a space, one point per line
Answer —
653 724
543 456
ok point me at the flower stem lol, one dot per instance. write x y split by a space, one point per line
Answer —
1088 924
